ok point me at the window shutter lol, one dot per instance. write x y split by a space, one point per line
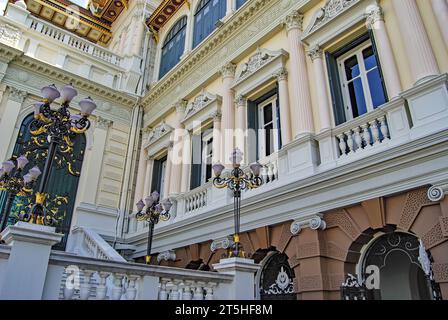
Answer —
156 176
378 63
252 125
335 88
196 162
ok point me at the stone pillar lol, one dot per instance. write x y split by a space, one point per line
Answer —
243 285
241 124
26 270
228 112
168 171
231 6
321 88
301 112
285 110
148 178
9 120
177 154
216 137
422 61
141 176
189 35
186 162
95 160
375 21
440 8
137 39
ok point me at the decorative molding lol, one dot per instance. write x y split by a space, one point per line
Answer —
255 62
315 53
159 132
228 70
437 193
9 35
331 10
314 222
17 95
294 20
240 101
169 255
102 123
374 15
281 74
200 102
223 243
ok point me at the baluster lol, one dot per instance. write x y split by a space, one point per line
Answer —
209 291
174 293
275 169
117 290
186 295
350 143
101 289
181 287
375 132
366 135
199 292
69 286
358 139
384 128
84 288
163 295
342 144
270 172
131 292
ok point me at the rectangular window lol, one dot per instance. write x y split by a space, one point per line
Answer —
268 133
356 82
158 176
207 156
202 156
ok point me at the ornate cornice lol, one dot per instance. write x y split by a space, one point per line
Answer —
314 222
374 15
315 53
228 70
17 95
294 20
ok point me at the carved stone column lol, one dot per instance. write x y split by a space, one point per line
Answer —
216 137
301 112
375 20
9 119
440 8
285 110
422 61
240 133
321 88
228 111
177 155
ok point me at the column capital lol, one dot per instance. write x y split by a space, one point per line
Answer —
374 14
170 146
315 53
102 123
240 100
314 222
294 20
228 70
281 74
438 192
17 95
216 115
181 105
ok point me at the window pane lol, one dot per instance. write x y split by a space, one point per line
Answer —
369 58
239 3
267 113
269 139
376 88
357 98
352 68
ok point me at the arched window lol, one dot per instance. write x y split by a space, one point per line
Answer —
64 178
207 14
173 47
239 3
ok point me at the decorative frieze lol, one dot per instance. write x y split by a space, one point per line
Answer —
169 255
9 35
315 223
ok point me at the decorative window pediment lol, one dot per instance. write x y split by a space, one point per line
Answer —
260 68
203 107
158 132
334 18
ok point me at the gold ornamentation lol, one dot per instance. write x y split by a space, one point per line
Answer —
40 197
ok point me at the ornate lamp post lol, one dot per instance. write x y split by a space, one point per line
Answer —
14 183
154 212
237 182
60 127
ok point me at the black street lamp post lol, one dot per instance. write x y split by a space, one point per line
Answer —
237 182
60 127
155 211
12 181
